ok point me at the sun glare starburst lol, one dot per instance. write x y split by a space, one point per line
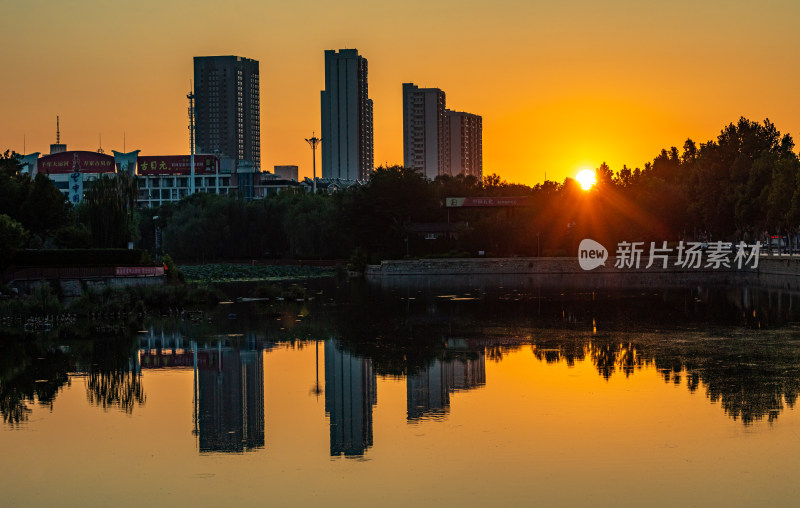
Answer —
586 178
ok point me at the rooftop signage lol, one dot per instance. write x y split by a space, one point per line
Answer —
87 162
177 165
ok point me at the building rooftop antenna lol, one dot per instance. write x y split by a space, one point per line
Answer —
100 143
57 147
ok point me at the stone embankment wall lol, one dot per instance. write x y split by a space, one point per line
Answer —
779 272
71 288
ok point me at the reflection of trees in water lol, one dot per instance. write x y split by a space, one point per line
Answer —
111 380
115 388
751 387
751 377
557 352
35 371
29 372
496 352
13 406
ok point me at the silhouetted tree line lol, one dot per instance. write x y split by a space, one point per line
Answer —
740 186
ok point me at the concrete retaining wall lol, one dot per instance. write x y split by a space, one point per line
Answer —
71 288
776 272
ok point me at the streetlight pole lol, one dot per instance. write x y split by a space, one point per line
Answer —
314 141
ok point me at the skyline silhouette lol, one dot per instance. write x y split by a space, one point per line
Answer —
560 87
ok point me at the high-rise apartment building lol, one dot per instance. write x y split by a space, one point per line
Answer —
347 149
227 108
425 131
466 143
438 141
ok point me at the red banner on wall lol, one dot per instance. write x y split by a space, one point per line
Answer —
87 162
486 202
138 271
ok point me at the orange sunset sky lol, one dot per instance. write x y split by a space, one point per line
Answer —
561 85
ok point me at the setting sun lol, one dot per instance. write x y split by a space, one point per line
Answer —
586 178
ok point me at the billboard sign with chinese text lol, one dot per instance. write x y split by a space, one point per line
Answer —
87 162
75 190
177 165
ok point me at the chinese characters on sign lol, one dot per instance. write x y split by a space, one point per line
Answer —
75 187
147 271
87 162
176 165
692 255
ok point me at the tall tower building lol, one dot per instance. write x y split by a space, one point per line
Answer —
425 131
466 143
227 108
347 151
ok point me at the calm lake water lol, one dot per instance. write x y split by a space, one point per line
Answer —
358 396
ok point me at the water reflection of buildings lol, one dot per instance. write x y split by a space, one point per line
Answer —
429 389
228 385
230 399
350 393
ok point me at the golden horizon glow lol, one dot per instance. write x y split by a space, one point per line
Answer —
586 178
559 86
535 425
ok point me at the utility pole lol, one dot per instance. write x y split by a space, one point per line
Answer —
314 141
191 140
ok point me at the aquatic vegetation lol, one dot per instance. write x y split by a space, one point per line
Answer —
229 272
